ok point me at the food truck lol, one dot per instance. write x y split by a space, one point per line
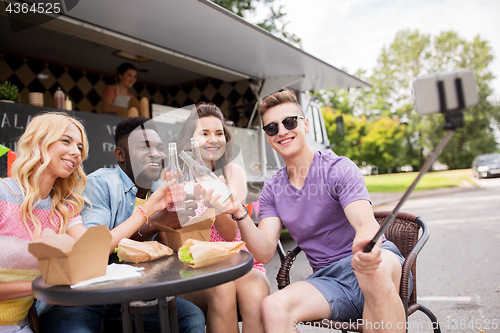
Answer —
185 51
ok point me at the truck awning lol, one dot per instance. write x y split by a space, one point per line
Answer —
186 41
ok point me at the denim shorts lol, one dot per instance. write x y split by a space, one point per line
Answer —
339 285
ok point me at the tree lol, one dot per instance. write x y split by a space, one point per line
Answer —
477 135
381 146
397 65
414 54
338 101
239 7
347 101
275 22
350 144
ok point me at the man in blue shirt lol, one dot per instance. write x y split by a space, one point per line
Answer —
115 196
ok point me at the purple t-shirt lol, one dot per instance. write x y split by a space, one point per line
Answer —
314 215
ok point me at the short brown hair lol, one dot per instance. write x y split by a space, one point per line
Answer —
278 98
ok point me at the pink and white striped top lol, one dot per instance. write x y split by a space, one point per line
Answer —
16 263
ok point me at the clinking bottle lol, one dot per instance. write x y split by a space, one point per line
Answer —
207 178
195 149
196 154
177 195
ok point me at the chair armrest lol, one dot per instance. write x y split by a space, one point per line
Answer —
412 257
425 235
33 318
404 292
283 276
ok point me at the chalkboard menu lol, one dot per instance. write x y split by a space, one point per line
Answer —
100 131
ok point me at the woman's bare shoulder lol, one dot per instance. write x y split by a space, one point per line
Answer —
234 169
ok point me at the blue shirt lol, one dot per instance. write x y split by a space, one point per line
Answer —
112 195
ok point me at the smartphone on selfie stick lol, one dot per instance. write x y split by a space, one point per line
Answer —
447 93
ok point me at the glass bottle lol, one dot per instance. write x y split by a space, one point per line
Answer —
177 195
196 155
188 178
195 150
207 178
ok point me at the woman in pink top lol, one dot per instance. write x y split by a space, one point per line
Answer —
117 100
220 303
43 193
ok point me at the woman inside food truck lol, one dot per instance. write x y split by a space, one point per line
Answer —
117 99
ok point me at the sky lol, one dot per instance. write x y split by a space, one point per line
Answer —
350 34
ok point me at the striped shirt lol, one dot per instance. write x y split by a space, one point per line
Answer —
16 263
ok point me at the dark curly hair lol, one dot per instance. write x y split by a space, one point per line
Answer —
127 126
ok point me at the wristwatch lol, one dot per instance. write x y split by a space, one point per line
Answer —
243 216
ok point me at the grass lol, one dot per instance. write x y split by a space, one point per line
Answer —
399 182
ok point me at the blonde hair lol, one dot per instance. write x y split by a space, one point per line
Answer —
30 164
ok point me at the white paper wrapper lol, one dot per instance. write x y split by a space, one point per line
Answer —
208 253
133 251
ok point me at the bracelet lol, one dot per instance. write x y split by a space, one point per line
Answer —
144 213
243 216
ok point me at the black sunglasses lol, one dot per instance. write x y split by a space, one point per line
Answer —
290 123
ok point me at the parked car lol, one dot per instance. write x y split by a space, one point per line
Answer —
438 166
406 168
486 165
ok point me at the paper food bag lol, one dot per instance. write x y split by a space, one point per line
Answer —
133 251
208 253
63 261
198 228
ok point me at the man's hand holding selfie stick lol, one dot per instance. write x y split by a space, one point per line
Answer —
447 93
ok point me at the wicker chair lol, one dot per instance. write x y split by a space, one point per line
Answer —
33 318
404 233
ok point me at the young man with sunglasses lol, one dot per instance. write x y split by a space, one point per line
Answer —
322 200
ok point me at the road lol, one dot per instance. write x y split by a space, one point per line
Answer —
458 269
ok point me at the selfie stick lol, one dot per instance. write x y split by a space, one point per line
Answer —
454 119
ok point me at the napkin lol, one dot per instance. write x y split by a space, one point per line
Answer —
113 272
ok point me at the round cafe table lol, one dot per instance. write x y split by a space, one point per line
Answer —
163 277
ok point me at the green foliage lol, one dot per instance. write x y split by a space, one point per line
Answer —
275 23
381 146
340 100
414 54
376 142
239 7
355 128
9 92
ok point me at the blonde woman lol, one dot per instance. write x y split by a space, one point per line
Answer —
43 193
